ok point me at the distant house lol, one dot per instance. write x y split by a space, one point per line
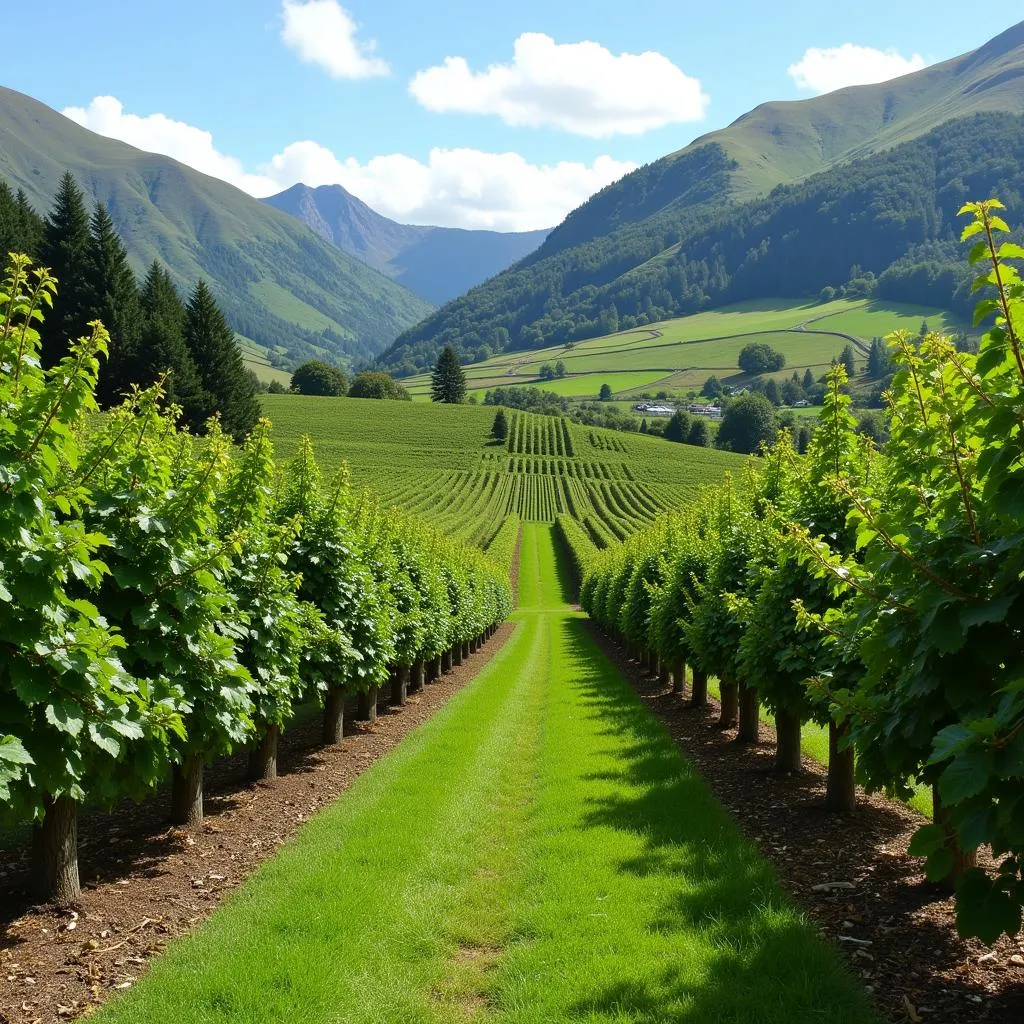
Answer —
802 404
711 411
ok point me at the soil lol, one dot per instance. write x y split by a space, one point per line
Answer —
144 883
896 931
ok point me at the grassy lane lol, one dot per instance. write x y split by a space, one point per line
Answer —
537 853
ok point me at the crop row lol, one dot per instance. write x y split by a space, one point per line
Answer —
531 434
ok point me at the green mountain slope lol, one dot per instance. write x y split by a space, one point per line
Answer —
682 234
437 264
279 284
784 142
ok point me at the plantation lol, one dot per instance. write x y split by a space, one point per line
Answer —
442 463
680 354
163 602
874 593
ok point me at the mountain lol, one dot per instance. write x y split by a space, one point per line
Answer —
437 264
280 285
654 243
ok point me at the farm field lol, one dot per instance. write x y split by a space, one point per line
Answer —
571 867
441 463
681 354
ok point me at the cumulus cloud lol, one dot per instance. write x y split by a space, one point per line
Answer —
464 188
322 32
453 188
157 133
822 71
577 87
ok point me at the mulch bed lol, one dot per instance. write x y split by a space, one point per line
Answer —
145 883
896 931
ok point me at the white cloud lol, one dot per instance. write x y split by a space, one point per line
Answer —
822 71
578 87
322 32
453 188
157 133
464 188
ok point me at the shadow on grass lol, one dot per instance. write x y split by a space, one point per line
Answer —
765 962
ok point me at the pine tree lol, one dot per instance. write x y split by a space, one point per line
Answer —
21 228
643 425
500 428
114 299
162 349
847 359
65 250
448 381
30 225
211 343
808 381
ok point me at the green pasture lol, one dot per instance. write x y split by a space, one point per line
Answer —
682 353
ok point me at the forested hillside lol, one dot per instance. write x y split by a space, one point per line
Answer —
883 225
279 284
784 142
437 264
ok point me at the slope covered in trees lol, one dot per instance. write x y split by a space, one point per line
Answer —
437 264
279 284
882 225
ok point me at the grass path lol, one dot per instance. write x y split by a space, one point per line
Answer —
537 853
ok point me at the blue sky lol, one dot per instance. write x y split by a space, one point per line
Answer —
367 90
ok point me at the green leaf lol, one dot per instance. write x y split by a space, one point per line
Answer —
65 716
940 864
926 840
967 775
12 751
984 910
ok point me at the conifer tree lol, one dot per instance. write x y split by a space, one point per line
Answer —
808 381
114 299
30 224
65 250
846 357
21 228
448 381
162 348
211 343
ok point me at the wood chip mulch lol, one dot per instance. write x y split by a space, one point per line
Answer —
145 883
896 931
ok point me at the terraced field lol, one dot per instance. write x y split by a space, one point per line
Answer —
679 355
442 463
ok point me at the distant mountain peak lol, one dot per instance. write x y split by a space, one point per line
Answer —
436 263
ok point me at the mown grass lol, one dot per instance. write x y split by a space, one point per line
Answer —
537 852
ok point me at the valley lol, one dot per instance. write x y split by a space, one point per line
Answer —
471 555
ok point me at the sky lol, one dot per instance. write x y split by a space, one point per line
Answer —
501 116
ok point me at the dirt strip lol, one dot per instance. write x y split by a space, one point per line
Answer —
896 931
144 883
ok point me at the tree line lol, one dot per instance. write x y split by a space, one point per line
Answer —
880 226
167 598
876 592
154 335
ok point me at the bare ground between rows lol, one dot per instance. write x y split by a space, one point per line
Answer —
896 931
145 883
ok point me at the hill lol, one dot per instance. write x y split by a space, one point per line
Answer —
785 142
284 289
442 462
678 356
883 226
646 247
437 264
